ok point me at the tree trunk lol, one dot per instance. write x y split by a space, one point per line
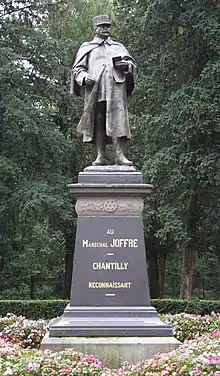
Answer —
189 257
153 274
32 286
162 267
70 242
187 275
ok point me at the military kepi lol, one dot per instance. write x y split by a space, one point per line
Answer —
101 20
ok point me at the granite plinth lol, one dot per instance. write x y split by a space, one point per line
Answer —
114 351
109 321
110 174
110 292
110 168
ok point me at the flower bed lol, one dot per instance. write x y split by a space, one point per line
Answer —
17 361
189 326
200 356
20 340
26 333
29 333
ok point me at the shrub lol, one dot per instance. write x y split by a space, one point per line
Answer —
47 309
33 309
195 306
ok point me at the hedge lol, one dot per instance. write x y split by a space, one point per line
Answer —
35 309
196 306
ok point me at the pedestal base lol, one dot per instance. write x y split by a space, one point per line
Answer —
109 314
109 322
113 351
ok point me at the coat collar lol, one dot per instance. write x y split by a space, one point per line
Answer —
100 41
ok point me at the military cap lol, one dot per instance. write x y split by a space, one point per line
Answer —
101 20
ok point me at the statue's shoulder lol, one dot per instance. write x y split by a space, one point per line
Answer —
86 47
85 44
89 44
83 50
117 43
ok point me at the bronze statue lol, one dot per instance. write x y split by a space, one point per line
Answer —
103 73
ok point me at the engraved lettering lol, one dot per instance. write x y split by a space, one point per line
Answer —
117 243
85 243
110 231
110 285
88 244
116 265
124 243
135 244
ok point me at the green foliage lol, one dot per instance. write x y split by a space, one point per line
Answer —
195 306
47 309
175 124
40 152
175 118
33 309
35 210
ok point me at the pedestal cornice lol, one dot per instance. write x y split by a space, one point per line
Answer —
142 190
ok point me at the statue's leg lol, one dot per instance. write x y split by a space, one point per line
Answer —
120 159
100 135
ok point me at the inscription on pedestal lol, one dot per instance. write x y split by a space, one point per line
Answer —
109 262
109 293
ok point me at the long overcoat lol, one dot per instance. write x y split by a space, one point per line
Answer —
113 86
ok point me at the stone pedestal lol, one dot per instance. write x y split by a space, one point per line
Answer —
113 351
110 292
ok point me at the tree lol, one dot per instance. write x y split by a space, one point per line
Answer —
178 118
33 152
39 149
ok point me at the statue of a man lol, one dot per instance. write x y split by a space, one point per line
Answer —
103 73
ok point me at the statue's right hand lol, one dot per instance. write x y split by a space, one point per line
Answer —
89 80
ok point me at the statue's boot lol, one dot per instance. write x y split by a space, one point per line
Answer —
100 161
100 148
120 158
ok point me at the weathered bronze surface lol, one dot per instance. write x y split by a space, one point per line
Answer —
103 73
